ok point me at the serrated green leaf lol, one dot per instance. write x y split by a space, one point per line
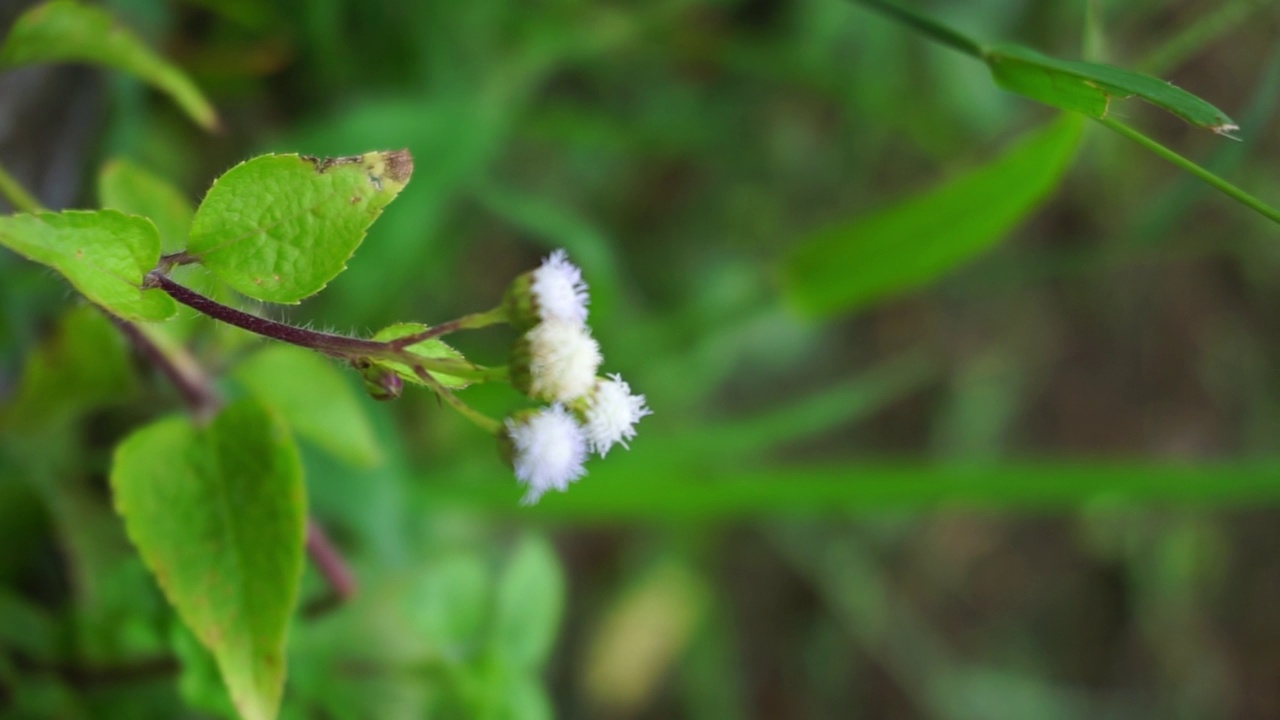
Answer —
103 253
315 399
218 514
134 190
67 31
1089 88
280 227
433 349
529 604
916 240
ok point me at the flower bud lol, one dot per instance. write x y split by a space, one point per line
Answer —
556 361
380 382
546 448
610 413
554 291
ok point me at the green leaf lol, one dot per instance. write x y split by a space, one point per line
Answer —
83 365
218 514
132 189
530 602
280 227
67 31
914 241
433 349
1082 87
104 253
1089 88
316 400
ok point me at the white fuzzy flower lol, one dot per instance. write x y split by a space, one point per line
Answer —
548 451
560 358
559 291
611 414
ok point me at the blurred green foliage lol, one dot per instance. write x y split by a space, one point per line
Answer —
1072 405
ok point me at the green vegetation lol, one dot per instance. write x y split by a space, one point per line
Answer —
963 406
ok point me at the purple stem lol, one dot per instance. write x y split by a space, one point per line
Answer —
339 346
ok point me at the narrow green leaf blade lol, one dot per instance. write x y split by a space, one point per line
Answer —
68 31
219 517
1089 88
911 243
103 253
315 399
280 227
131 189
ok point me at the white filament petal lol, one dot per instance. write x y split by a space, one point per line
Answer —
559 291
563 360
549 449
612 413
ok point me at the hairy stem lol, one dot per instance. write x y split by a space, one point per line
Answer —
339 346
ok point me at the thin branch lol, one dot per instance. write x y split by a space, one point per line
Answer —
330 563
17 195
179 367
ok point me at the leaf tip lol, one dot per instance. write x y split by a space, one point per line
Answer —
399 165
1227 130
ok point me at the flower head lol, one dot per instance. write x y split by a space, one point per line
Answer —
611 414
554 291
556 361
548 449
559 290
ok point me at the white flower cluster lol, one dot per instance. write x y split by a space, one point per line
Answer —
556 361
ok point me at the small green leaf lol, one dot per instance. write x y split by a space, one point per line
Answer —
433 349
104 253
280 227
530 601
67 31
131 189
315 399
912 242
218 514
1089 88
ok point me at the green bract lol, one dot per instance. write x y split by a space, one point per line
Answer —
104 253
67 31
280 227
219 516
433 349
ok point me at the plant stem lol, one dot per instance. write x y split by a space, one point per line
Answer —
1188 165
330 563
484 422
17 195
934 29
466 322
178 366
339 346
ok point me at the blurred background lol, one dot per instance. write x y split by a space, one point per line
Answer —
1039 483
